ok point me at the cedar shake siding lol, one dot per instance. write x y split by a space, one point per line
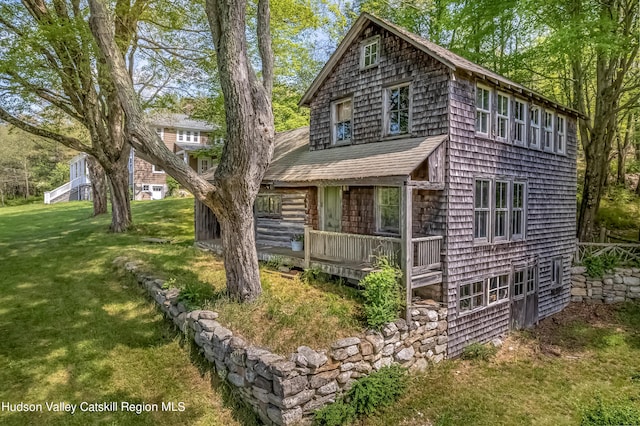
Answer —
399 63
550 218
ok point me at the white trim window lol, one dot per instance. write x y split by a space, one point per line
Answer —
503 114
398 110
191 136
548 130
370 53
520 123
156 169
501 211
534 127
556 272
204 164
498 289
481 211
561 135
388 209
160 132
483 110
342 118
517 210
471 296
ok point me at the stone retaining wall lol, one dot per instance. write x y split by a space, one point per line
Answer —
287 390
621 285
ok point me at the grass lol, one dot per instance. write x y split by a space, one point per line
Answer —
73 329
552 375
620 212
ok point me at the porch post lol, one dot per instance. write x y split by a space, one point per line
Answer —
307 246
406 224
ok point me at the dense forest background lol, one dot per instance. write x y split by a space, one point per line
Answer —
581 53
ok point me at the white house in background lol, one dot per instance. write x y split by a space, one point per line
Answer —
79 186
182 135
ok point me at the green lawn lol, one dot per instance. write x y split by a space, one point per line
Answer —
73 330
548 376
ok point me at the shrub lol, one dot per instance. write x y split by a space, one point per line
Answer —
479 351
173 186
367 395
597 265
610 413
195 294
382 296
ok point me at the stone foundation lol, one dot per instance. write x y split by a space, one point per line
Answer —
287 390
619 286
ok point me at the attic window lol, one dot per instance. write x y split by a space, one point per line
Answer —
369 54
341 116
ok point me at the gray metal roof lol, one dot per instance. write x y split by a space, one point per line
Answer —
180 121
448 58
293 162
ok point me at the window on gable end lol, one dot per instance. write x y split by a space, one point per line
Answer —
342 116
398 109
503 115
370 52
483 110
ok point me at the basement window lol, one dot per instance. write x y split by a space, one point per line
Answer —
471 296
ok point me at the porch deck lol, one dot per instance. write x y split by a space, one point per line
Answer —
349 270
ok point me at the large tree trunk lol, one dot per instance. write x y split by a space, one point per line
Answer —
240 257
118 178
98 186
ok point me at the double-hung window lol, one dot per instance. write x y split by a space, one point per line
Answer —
370 52
517 210
561 135
483 110
534 127
503 114
520 123
501 211
342 121
548 131
398 108
481 211
388 209
189 136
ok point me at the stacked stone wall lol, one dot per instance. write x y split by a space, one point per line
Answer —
621 285
287 390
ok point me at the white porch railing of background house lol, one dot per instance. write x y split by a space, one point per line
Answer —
52 195
364 249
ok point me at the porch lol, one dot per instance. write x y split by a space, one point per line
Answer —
352 256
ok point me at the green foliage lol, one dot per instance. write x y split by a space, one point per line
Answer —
382 295
297 237
173 186
479 351
610 413
620 209
195 294
598 265
366 396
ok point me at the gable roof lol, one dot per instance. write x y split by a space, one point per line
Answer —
180 121
444 56
293 162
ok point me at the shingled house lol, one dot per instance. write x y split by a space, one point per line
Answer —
464 178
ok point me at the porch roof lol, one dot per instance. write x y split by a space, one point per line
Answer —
293 162
187 146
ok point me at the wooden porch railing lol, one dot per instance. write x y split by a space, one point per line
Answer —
426 254
351 248
626 253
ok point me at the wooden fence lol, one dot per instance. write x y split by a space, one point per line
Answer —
351 248
626 253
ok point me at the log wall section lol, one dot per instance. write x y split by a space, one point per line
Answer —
296 212
550 217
